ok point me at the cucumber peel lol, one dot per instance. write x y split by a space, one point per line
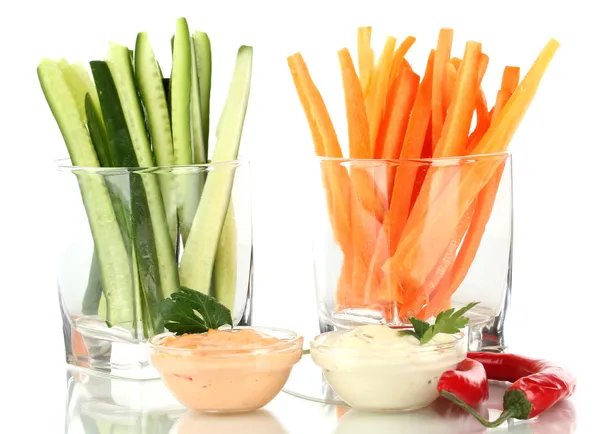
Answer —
199 255
203 66
149 81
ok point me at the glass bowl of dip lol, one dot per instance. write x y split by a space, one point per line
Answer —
226 370
373 368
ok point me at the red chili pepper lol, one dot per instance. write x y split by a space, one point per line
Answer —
467 382
537 385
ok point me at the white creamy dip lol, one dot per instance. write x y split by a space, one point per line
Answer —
374 367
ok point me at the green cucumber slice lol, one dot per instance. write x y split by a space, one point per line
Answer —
203 63
114 263
199 255
149 81
148 229
197 124
188 186
225 270
120 63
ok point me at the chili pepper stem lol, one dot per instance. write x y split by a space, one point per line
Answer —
504 416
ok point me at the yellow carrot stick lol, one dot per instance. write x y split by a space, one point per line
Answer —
366 57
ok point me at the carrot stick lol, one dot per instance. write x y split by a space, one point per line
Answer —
483 116
402 193
337 182
395 120
466 255
449 85
378 90
435 231
399 55
366 56
356 113
455 132
456 61
442 56
485 202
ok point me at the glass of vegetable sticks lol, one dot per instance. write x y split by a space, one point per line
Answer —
128 238
405 238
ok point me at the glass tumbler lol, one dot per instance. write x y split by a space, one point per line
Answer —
128 238
395 239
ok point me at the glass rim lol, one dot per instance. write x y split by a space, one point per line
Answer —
64 164
423 348
444 160
293 339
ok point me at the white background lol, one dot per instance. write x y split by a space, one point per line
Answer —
556 172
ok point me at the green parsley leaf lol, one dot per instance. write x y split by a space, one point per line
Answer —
190 311
447 321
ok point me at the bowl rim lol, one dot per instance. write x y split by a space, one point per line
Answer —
293 340
319 344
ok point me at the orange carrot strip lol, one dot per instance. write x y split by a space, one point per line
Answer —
397 114
378 90
358 126
399 55
466 255
337 182
449 85
510 78
455 132
406 174
456 61
435 231
442 56
366 56
358 138
483 116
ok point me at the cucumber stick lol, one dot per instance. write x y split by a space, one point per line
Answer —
199 255
114 263
149 81
146 211
225 269
199 156
203 67
188 186
121 70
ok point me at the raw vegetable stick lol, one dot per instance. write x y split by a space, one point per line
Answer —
198 257
188 186
484 205
378 90
406 265
366 57
449 85
203 58
114 261
358 125
121 70
337 182
401 99
406 175
442 56
149 83
398 61
455 132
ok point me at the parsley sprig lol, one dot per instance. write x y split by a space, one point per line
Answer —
448 321
190 311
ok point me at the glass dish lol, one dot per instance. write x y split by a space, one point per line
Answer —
121 250
214 378
381 377
401 238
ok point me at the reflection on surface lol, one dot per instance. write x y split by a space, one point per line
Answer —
98 404
444 418
260 421
101 405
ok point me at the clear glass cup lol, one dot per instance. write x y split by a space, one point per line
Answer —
128 238
225 378
395 239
